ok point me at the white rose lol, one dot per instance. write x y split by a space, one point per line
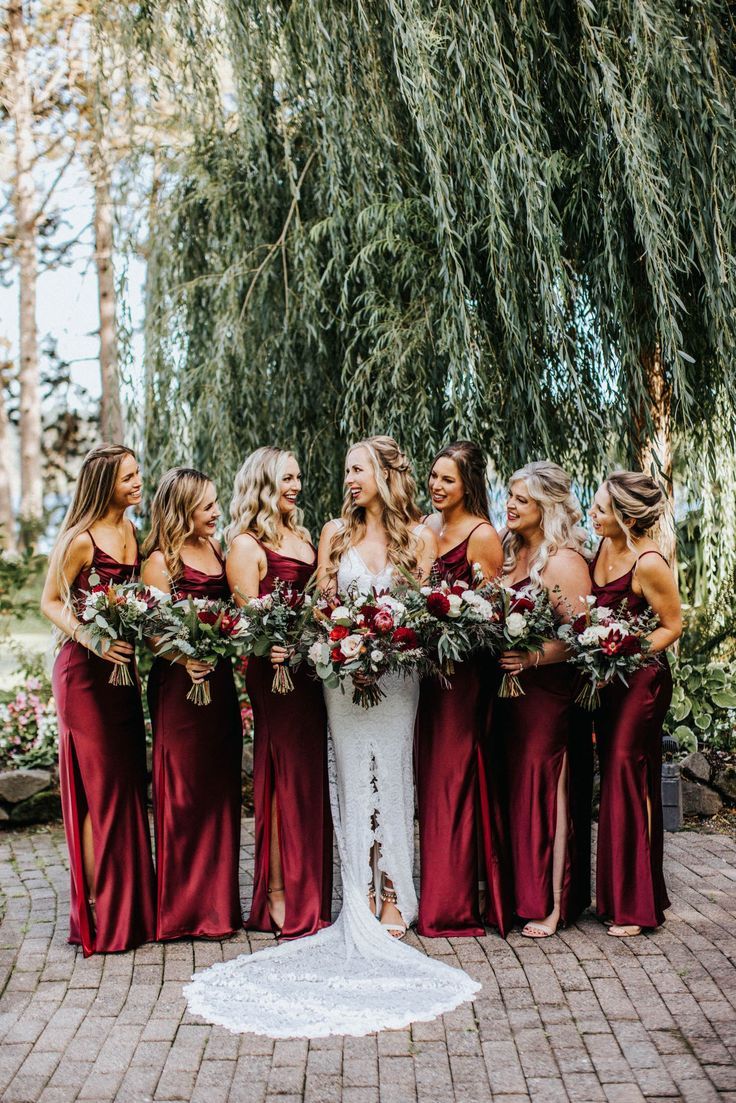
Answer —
483 607
350 646
455 605
515 624
426 590
392 604
593 635
376 656
341 613
319 653
470 597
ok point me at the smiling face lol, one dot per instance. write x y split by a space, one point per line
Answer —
290 486
206 514
359 478
445 484
602 515
523 515
128 484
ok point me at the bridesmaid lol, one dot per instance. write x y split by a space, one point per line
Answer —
197 749
547 737
102 743
459 831
629 567
292 881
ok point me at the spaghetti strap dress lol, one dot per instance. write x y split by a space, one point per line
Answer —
544 732
461 826
290 763
197 759
102 771
630 886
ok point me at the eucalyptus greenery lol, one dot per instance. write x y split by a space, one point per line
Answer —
510 222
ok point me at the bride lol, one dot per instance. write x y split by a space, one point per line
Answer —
355 976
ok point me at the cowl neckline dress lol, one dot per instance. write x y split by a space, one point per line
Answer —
630 886
102 770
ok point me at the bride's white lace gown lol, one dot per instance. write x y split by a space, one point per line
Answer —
352 977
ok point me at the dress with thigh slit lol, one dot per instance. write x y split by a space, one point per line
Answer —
460 815
543 732
630 887
290 764
197 758
102 770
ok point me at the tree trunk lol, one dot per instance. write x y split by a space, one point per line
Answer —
7 521
655 446
26 214
111 418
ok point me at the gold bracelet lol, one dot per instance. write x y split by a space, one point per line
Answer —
536 659
77 628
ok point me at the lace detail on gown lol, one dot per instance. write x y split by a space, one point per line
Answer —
352 977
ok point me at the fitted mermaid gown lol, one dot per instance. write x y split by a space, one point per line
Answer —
352 977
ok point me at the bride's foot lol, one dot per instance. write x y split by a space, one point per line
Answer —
372 901
277 908
391 917
542 928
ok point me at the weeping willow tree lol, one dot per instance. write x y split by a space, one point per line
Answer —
511 222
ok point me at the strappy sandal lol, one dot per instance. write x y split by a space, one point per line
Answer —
624 931
396 930
529 929
269 892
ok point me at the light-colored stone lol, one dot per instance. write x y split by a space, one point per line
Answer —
696 765
18 785
699 800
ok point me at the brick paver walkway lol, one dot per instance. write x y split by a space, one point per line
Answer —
581 1017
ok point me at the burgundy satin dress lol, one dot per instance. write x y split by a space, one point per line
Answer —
540 731
460 814
197 757
290 761
102 769
630 886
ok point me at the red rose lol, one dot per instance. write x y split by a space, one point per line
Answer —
521 605
207 616
368 612
383 621
579 624
339 632
405 639
336 655
630 645
437 604
458 589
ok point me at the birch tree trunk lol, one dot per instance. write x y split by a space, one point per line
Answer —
7 521
655 446
111 418
25 203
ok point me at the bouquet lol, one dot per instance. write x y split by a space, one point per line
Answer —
359 638
452 619
526 621
606 644
276 620
205 629
119 611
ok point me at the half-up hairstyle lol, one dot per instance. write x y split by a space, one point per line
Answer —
472 465
400 513
177 496
635 497
255 503
551 488
93 494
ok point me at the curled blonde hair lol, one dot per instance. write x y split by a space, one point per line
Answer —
177 496
93 494
255 503
397 491
636 497
551 488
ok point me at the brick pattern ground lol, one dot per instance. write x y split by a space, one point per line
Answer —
581 1017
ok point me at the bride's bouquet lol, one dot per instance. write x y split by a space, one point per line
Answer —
277 620
119 611
358 638
526 620
204 629
451 619
606 644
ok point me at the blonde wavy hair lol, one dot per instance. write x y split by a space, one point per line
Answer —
551 488
93 494
397 491
177 496
636 497
255 502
